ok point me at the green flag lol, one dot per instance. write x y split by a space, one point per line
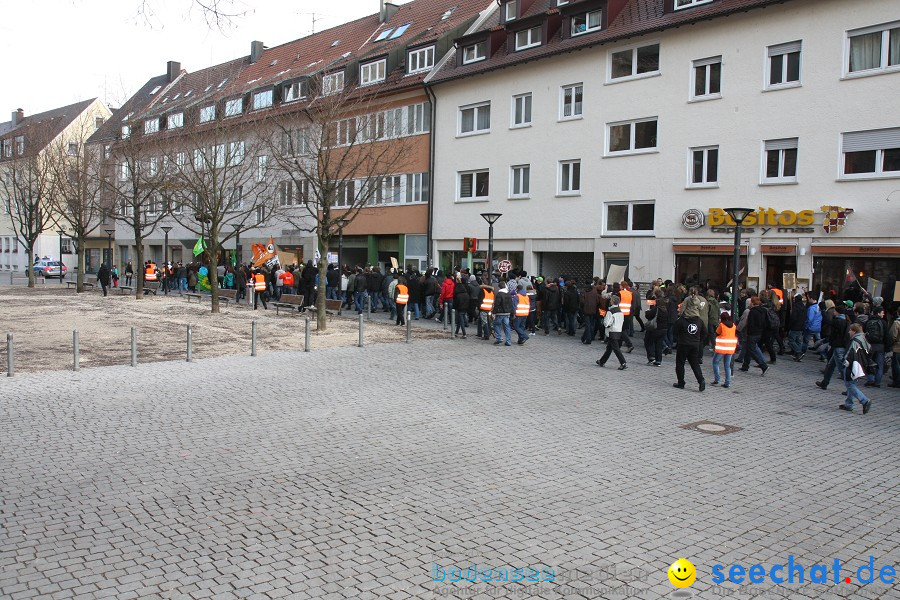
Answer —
199 247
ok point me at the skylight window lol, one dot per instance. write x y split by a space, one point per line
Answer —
156 89
335 43
176 96
447 14
209 87
188 93
400 31
383 35
224 81
273 63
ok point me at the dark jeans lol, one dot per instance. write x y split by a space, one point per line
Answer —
613 343
551 316
654 342
628 326
257 296
836 361
589 324
691 354
519 326
752 350
462 319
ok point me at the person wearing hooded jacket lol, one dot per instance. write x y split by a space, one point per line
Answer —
446 298
876 330
796 327
655 337
613 321
855 368
690 333
895 360
757 321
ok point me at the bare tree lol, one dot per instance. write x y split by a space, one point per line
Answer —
26 186
134 185
347 154
220 185
77 201
219 14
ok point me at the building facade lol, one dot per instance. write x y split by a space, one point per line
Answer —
616 132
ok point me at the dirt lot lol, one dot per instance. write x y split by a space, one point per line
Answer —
42 321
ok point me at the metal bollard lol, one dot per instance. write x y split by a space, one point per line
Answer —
306 341
446 316
12 277
10 363
253 339
76 359
452 321
368 307
362 332
133 347
408 327
190 343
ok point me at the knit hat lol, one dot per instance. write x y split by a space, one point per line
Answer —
539 279
849 303
692 306
511 286
829 304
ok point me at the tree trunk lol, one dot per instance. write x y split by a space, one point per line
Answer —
213 277
79 278
139 265
321 320
30 250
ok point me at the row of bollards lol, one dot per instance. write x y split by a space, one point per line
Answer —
76 345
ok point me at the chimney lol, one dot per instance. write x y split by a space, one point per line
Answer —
387 11
256 51
18 116
173 70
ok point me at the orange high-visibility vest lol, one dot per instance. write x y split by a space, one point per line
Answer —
625 302
726 339
522 306
150 273
259 282
402 294
488 303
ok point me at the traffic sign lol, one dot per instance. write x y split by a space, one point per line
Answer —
504 266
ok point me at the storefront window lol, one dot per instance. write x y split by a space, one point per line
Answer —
708 270
847 277
451 259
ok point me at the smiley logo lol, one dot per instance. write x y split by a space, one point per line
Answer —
682 573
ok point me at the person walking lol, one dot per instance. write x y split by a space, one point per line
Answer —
690 333
485 306
129 273
796 327
503 307
360 286
448 288
521 304
590 307
726 345
401 299
613 322
550 303
656 328
461 305
103 276
895 350
855 363
757 321
838 340
876 330
115 276
259 289
570 305
813 327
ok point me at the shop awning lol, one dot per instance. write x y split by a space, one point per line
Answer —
778 248
857 250
707 248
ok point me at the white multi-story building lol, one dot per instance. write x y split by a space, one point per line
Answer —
615 132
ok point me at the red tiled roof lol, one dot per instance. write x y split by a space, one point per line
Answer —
638 17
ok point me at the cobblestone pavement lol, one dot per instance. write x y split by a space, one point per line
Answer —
355 472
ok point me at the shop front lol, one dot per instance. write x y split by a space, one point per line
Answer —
778 259
449 259
708 265
847 270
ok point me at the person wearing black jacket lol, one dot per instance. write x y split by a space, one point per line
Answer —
431 290
570 305
333 283
308 279
550 303
876 330
757 322
796 326
838 340
103 277
414 283
461 305
655 338
690 333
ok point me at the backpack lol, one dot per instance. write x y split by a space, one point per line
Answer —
774 322
875 331
650 325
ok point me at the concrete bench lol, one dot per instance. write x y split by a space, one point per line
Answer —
151 287
289 302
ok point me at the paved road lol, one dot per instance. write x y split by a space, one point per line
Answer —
353 472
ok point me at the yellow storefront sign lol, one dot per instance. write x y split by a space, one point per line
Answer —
763 217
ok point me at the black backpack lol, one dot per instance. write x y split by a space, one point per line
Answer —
774 321
875 331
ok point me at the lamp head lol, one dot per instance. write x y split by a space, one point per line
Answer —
491 218
738 214
166 228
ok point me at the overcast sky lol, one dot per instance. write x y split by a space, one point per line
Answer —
57 52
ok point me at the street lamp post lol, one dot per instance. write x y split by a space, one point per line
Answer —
109 256
166 229
341 224
738 215
61 232
491 218
237 245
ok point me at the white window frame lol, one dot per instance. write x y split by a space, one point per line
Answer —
476 57
587 22
20 145
72 149
175 121
775 51
151 126
373 72
7 148
510 10
884 66
417 188
574 106
689 4
332 83
475 108
474 174
296 90
879 172
630 231
633 48
234 107
262 167
418 119
263 99
235 153
780 179
208 113
568 181
633 122
423 57
519 175
531 42
704 184
706 64
527 102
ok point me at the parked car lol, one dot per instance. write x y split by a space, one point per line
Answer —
49 268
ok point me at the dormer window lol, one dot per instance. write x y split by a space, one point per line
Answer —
208 113
475 52
263 99
126 132
679 4
509 10
151 126
332 83
234 107
528 38
294 91
175 121
586 22
420 60
372 72
20 145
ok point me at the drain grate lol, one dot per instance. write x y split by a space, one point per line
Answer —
711 428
